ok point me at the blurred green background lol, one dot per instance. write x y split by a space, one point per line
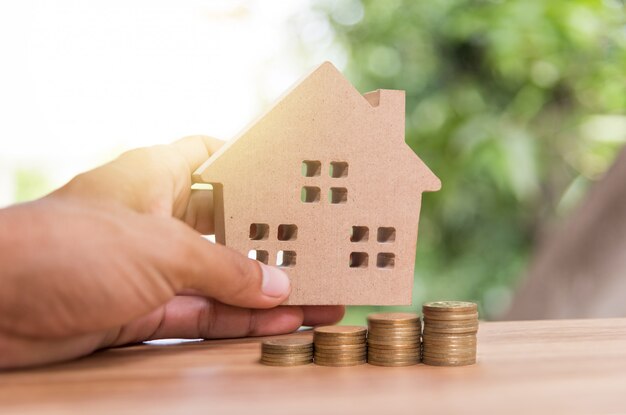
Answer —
518 106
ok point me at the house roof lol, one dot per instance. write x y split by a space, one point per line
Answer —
328 77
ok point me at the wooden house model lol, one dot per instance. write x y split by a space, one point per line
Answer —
324 185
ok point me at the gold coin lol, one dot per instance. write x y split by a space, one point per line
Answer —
450 306
453 330
394 318
340 330
341 347
300 363
450 316
340 356
434 362
458 323
448 336
290 344
393 364
394 332
340 364
404 343
285 358
396 356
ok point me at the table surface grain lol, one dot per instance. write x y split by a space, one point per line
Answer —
559 366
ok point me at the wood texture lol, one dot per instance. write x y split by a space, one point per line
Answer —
324 123
575 366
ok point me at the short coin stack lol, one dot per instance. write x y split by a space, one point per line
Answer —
449 337
287 352
393 339
340 345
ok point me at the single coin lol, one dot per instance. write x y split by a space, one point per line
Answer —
394 357
393 339
393 364
341 352
394 332
340 330
341 347
394 318
438 316
450 306
452 324
289 342
448 353
343 357
452 330
285 358
447 336
340 356
432 362
393 348
272 363
392 344
340 364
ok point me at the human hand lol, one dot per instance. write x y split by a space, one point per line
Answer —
115 257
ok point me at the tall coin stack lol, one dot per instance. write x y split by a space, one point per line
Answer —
340 345
393 339
449 337
287 352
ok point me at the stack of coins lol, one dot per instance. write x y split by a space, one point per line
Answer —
449 337
340 345
393 339
293 351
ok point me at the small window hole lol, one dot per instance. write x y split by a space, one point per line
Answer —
259 231
359 234
259 255
386 234
338 195
358 260
287 232
310 194
338 169
286 258
385 260
311 168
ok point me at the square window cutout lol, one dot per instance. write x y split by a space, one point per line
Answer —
286 258
311 168
259 254
259 231
358 260
386 260
359 234
386 234
287 232
310 194
338 195
338 169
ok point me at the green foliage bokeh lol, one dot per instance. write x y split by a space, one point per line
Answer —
516 105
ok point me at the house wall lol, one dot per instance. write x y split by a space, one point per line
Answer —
263 180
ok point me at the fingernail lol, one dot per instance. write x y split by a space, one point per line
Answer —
275 282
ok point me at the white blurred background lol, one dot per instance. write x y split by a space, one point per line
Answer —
81 82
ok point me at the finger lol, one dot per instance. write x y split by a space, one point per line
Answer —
219 272
196 149
198 317
199 213
320 315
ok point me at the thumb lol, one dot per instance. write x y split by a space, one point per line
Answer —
219 272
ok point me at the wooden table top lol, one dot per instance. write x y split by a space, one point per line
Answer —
568 366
